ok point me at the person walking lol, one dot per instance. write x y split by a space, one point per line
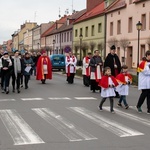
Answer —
112 60
144 83
6 72
124 79
44 68
96 64
27 63
107 83
70 62
17 71
86 69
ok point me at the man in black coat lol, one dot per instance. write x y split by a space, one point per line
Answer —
113 61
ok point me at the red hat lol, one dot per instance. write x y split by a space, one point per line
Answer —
43 51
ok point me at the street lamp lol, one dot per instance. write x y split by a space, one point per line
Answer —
53 45
138 27
80 61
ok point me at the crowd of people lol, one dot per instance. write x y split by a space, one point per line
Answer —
19 67
108 77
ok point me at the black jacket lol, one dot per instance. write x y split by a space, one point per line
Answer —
109 62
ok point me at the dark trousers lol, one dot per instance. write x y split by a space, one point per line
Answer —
26 80
86 80
94 85
70 78
111 103
145 94
43 80
5 81
16 80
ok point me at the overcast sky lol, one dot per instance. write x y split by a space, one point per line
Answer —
13 13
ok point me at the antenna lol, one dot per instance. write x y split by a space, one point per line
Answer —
59 13
35 16
72 7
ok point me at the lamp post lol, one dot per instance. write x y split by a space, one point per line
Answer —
138 27
53 45
80 61
38 44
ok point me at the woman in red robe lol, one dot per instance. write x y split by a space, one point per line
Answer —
44 68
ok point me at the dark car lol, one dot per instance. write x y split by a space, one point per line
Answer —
58 61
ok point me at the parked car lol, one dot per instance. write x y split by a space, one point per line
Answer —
58 61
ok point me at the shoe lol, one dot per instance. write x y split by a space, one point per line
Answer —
126 107
26 87
13 90
100 108
148 112
7 92
119 105
93 91
3 91
21 85
112 111
139 109
18 91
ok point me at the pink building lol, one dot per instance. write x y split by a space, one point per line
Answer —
122 17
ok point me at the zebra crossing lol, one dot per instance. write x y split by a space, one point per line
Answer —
51 98
22 134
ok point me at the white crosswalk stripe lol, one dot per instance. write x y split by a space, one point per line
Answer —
59 98
32 99
1 100
85 98
114 127
130 116
72 132
19 130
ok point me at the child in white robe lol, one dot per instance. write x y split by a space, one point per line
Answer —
107 83
124 79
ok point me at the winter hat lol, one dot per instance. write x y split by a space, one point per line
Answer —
113 47
5 53
43 51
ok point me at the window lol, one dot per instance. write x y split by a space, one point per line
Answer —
99 28
92 31
144 22
70 35
111 28
119 27
86 32
130 24
80 31
67 36
76 33
64 37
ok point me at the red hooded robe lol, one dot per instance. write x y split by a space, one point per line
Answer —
40 73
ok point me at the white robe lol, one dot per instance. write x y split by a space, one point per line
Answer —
109 92
72 64
85 66
123 89
99 76
144 77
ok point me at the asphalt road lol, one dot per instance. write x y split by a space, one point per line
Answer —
60 116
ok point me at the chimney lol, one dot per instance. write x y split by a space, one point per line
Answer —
90 4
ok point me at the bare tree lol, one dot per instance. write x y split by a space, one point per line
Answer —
76 47
84 48
100 46
124 43
112 41
148 41
48 49
92 46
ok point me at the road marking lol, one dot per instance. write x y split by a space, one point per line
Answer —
85 98
68 129
7 100
110 125
130 116
19 130
59 98
32 99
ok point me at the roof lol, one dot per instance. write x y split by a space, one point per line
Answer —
61 21
118 4
98 10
